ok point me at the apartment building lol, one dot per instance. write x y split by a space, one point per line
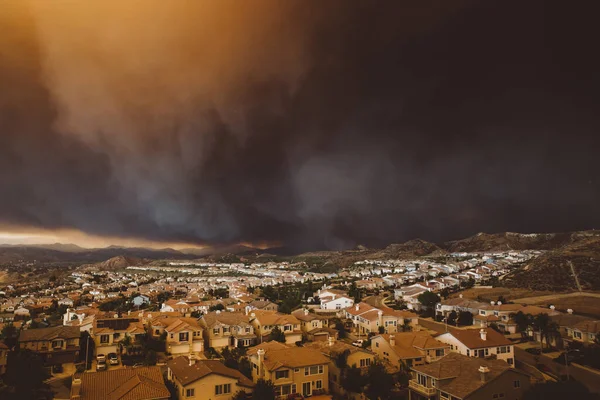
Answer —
225 329
206 379
292 369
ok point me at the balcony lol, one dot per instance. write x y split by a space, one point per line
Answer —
428 391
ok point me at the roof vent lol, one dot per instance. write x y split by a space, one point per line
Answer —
483 334
493 303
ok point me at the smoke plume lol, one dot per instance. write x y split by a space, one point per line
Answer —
312 124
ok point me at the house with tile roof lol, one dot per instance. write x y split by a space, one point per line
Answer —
355 357
226 329
408 348
265 321
313 327
142 383
456 376
108 333
292 369
56 345
366 319
480 343
206 379
184 336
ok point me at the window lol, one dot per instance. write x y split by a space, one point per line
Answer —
444 396
225 329
282 374
509 361
376 344
216 331
577 335
314 370
422 380
104 338
319 384
57 344
223 389
517 384
287 328
487 352
189 393
247 329
439 352
184 336
365 362
468 353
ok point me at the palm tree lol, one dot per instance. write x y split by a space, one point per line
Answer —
546 327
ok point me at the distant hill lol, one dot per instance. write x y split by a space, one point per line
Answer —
554 269
515 241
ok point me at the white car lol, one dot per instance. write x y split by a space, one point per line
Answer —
358 343
101 358
113 359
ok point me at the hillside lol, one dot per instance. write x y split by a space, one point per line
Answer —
552 270
516 241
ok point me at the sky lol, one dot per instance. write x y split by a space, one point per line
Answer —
305 124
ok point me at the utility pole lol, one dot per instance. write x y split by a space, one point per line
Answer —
87 351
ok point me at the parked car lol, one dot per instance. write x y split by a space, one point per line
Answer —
101 358
101 366
113 359
358 343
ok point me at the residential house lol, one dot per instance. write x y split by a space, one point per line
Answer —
264 321
312 325
225 329
109 332
206 379
456 376
141 383
483 343
336 302
292 369
355 357
56 345
263 305
410 295
407 349
367 319
586 331
184 336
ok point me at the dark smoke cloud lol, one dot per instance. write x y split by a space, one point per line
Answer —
315 124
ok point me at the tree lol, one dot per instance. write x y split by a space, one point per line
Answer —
353 380
445 292
523 321
465 318
545 327
277 335
406 326
240 395
340 327
9 335
264 390
217 307
26 375
380 382
381 330
150 358
452 318
428 299
341 359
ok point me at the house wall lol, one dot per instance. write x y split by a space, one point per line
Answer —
204 389
460 348
503 384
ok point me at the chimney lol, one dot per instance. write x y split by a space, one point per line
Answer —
261 359
392 340
306 311
357 307
331 341
191 359
483 372
460 295
483 334
570 311
499 303
333 296
492 303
